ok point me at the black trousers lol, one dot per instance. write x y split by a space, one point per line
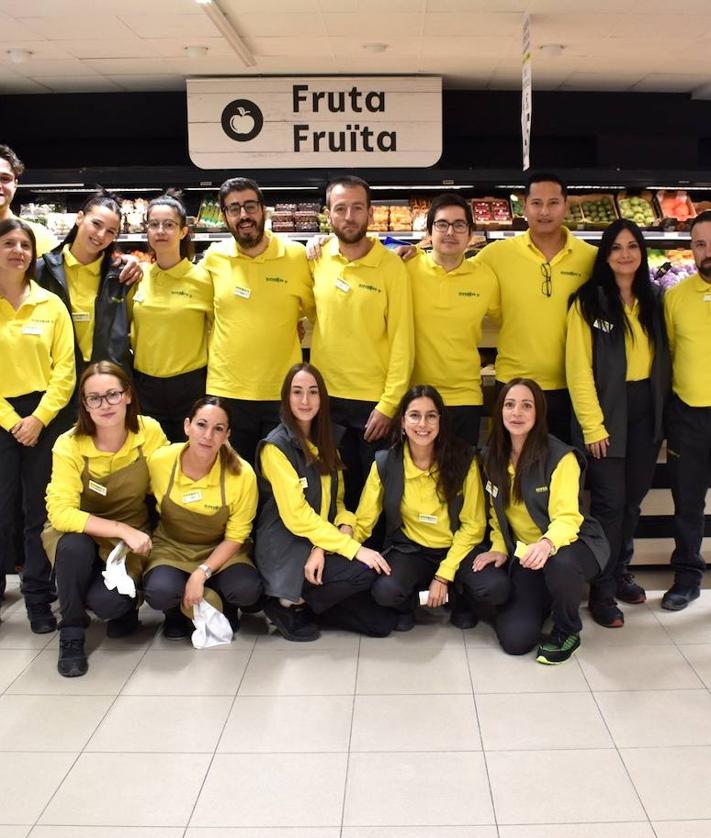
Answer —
559 412
618 486
413 568
239 585
465 420
489 586
357 454
80 584
168 400
534 593
689 465
24 475
251 422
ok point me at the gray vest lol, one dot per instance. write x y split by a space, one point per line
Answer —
280 555
609 372
535 492
391 469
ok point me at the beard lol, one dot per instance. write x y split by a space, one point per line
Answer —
705 268
352 235
248 234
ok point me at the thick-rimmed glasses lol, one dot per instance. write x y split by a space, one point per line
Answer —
547 284
459 226
250 207
94 400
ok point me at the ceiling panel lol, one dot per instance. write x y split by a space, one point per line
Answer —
170 26
381 27
71 27
78 84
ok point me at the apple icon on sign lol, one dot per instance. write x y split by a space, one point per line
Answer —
242 120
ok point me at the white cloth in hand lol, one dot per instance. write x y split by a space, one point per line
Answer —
115 576
211 626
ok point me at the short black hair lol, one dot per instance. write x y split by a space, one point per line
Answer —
449 199
545 177
17 166
239 184
347 181
701 218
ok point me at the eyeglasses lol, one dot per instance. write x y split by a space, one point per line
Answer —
94 401
235 209
459 226
547 284
414 418
169 226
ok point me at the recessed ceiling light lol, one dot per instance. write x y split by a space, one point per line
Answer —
18 56
196 51
377 47
203 2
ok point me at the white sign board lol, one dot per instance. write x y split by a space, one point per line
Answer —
265 123
526 92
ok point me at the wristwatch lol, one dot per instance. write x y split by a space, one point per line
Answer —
206 570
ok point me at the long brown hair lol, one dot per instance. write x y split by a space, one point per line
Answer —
85 424
498 451
452 455
13 223
228 456
329 460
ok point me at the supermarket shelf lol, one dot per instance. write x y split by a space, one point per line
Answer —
596 235
221 235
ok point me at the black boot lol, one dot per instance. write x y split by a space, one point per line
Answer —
124 625
42 620
72 659
177 626
232 614
294 623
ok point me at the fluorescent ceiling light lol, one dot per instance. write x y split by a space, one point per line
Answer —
229 33
438 187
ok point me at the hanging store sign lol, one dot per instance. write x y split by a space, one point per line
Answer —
526 92
261 123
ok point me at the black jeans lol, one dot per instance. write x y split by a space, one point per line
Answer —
80 584
559 412
618 486
251 422
689 466
168 400
24 475
465 421
239 585
412 569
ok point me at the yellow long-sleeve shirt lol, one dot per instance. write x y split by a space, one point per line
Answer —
258 303
204 496
83 285
563 510
448 309
171 316
687 313
425 517
296 513
639 352
363 341
532 336
64 490
36 355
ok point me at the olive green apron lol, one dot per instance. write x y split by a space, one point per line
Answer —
120 496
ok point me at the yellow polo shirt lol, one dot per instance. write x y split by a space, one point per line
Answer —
448 310
687 312
171 315
64 490
363 340
204 496
639 352
257 303
296 513
36 355
532 336
44 240
425 516
563 510
83 285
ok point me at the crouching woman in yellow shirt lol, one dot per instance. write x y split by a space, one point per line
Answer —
36 384
305 549
428 486
96 499
207 498
541 541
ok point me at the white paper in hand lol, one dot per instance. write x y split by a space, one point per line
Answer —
212 628
115 576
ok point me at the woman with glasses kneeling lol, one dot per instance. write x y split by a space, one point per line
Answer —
96 499
207 499
429 488
541 541
305 551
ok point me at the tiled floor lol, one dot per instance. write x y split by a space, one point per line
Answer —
431 734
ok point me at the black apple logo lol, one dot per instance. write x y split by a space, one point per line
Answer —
242 120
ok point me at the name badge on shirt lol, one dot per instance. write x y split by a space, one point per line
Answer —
245 293
707 298
342 285
81 316
491 489
427 519
304 483
31 329
191 497
603 326
98 488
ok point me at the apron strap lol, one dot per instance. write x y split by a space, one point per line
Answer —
171 479
222 483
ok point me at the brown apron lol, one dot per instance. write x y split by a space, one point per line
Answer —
120 496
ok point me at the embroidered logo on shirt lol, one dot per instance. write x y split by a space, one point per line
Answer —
570 273
468 294
275 279
367 287
541 489
179 293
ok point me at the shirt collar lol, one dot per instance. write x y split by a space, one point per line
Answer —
412 472
465 267
372 258
274 250
72 262
700 284
212 478
87 448
176 272
530 247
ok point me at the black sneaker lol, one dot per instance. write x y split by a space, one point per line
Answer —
679 596
295 623
72 661
232 614
606 613
629 591
42 620
124 625
177 626
405 621
558 648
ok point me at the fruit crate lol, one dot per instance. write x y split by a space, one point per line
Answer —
675 205
638 207
491 213
599 209
575 217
